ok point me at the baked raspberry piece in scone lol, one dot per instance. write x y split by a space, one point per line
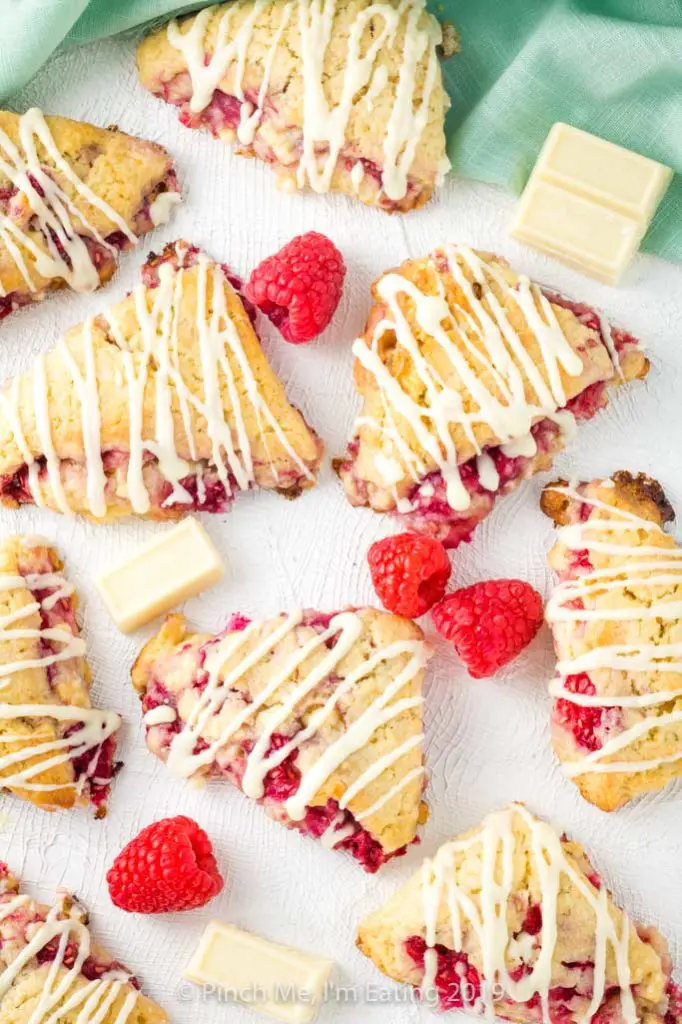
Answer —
472 377
616 618
344 96
512 920
161 406
317 717
55 749
52 971
71 196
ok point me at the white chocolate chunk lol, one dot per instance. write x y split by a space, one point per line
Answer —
160 715
160 575
280 981
161 208
583 234
601 170
589 202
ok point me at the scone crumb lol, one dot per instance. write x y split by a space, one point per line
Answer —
451 42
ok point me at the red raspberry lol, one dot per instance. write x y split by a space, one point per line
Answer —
300 286
583 722
489 623
457 981
168 866
409 573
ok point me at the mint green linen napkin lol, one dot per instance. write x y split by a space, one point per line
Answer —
613 67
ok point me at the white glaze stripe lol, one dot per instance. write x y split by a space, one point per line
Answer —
496 350
346 629
324 128
54 213
634 565
487 918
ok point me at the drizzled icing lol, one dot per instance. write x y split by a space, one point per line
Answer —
496 385
63 991
96 726
324 126
486 917
186 756
656 567
53 212
160 315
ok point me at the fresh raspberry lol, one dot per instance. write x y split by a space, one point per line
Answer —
168 866
489 623
300 286
409 573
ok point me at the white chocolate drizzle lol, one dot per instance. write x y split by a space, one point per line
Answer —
184 759
159 314
61 223
496 384
161 208
486 916
324 126
63 992
658 568
161 715
96 725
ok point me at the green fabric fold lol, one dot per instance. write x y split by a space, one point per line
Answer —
612 67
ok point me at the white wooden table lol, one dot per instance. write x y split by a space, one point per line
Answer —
488 741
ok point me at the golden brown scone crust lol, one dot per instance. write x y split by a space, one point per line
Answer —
119 168
644 497
23 996
31 685
171 656
65 407
163 70
382 934
432 277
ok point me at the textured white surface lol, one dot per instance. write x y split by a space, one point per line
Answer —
487 741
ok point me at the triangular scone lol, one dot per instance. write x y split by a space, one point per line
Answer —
512 920
161 406
345 96
616 617
472 377
55 749
52 971
318 717
71 196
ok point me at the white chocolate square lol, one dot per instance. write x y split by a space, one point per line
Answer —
283 982
601 170
176 565
589 202
585 235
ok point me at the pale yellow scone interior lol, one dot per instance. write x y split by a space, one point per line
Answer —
38 984
72 196
160 575
589 202
44 688
617 627
163 405
513 920
346 98
319 717
260 973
